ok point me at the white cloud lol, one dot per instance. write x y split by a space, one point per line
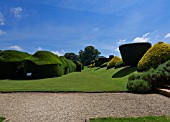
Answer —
39 48
117 49
16 11
2 32
121 41
2 19
167 36
59 53
144 38
16 47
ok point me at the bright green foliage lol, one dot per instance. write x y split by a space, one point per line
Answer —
119 64
100 61
155 56
104 65
131 53
44 64
11 63
139 86
112 62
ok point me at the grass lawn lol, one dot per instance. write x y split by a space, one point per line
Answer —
2 119
138 119
89 80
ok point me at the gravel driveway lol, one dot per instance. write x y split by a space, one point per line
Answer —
77 107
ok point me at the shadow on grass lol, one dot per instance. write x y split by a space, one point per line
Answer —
124 72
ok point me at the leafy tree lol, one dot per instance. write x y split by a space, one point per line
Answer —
88 55
71 56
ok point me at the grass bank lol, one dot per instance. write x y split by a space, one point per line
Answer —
89 80
133 119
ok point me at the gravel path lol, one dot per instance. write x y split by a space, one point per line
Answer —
77 107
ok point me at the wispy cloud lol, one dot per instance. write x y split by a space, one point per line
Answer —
121 41
2 32
16 47
2 19
144 38
167 35
16 11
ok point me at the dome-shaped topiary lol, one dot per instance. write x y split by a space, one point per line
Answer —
113 61
155 56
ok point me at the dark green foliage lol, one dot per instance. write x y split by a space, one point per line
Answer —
104 65
11 63
110 57
139 86
71 56
132 53
89 54
44 64
119 64
79 66
100 61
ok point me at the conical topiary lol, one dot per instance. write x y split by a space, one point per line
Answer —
113 61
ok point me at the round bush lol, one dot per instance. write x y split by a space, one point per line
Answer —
113 61
104 65
131 53
155 56
138 86
119 64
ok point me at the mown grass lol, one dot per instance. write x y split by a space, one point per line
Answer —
2 119
133 119
89 80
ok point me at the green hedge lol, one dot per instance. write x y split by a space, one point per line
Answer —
113 61
44 64
100 61
12 63
79 66
132 53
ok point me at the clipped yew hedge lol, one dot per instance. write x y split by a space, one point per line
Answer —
100 61
12 63
132 53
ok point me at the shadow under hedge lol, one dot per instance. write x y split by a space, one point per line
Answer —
124 72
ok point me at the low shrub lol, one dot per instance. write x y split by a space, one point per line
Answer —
139 86
100 61
119 64
79 66
112 62
156 55
91 65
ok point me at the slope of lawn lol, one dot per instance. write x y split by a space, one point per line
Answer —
89 80
133 119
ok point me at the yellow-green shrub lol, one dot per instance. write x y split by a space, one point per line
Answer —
113 61
155 56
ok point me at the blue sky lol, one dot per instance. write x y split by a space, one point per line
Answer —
64 26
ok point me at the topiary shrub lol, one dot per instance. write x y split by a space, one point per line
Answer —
131 53
113 61
100 61
104 65
71 66
79 66
139 86
12 63
119 64
155 56
91 65
43 64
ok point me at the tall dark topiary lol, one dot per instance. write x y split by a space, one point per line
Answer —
132 53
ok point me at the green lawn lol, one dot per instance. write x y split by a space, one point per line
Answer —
138 119
89 80
2 119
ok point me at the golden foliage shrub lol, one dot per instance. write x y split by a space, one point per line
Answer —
113 61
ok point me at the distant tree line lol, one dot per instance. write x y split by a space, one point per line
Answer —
86 56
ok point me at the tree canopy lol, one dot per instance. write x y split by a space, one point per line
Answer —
88 55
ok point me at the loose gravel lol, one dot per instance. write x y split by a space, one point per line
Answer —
79 107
